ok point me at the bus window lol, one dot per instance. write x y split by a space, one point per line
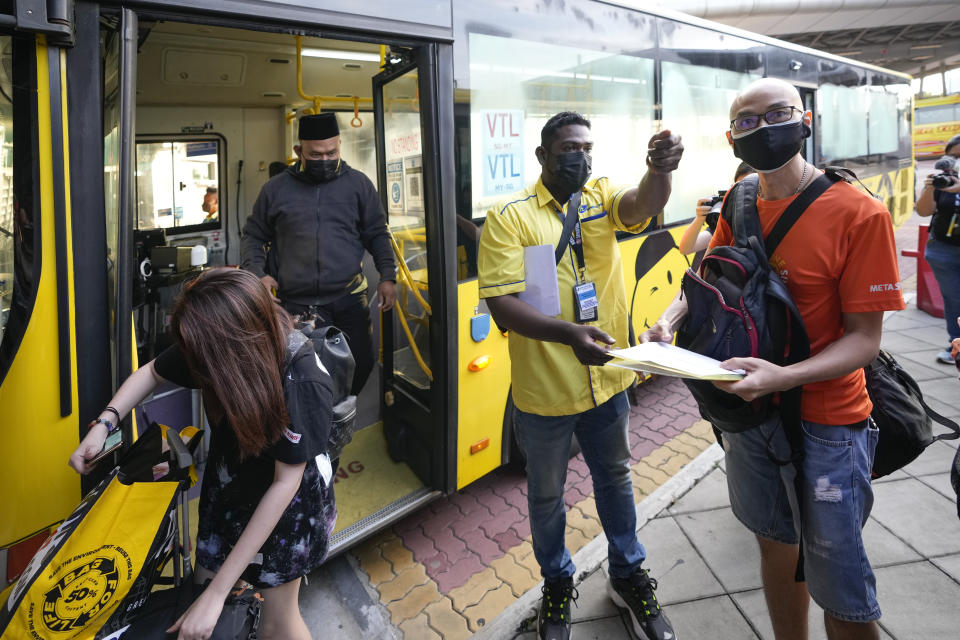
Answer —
696 103
940 113
407 220
883 136
843 123
110 53
19 252
701 73
7 212
178 183
843 115
516 85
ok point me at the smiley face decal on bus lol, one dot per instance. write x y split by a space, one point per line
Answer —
658 268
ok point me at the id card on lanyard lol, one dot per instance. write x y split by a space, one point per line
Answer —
586 306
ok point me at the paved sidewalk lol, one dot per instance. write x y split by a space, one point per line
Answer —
708 564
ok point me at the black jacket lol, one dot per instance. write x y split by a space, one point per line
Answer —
317 234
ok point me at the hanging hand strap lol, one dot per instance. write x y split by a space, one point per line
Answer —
569 222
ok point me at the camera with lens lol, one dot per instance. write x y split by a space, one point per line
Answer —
947 166
717 200
944 180
715 203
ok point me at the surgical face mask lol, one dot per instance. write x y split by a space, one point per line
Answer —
321 170
571 170
771 147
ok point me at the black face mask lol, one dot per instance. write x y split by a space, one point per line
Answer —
769 148
571 170
321 170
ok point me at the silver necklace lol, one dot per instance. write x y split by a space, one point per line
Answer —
803 178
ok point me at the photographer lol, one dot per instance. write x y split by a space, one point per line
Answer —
940 197
708 211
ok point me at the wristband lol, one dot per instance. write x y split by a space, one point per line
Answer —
110 426
114 412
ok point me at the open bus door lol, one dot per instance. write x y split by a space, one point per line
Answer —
419 336
808 95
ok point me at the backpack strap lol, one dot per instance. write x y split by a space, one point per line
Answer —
795 210
740 210
569 222
954 432
847 175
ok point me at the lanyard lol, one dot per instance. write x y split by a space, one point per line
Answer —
576 244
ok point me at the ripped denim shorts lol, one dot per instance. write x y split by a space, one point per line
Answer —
837 499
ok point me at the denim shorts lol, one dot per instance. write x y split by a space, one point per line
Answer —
837 498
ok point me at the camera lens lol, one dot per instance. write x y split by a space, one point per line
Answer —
942 181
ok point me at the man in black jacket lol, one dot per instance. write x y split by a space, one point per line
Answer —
318 217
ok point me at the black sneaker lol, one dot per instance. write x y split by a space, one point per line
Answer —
553 623
636 595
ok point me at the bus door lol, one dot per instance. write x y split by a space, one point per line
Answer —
808 97
418 392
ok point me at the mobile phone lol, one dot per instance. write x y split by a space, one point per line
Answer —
111 444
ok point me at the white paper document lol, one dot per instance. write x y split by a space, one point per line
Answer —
668 360
540 271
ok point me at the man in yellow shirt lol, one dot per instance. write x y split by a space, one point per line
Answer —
559 384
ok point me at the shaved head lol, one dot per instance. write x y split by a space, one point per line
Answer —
765 94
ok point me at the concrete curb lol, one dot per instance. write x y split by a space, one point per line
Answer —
590 557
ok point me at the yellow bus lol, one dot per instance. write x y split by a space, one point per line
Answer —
117 117
935 121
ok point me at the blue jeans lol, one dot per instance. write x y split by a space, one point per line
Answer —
944 260
602 433
837 498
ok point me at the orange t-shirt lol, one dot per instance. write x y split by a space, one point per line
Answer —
839 257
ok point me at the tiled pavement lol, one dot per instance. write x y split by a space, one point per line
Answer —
464 564
447 570
708 564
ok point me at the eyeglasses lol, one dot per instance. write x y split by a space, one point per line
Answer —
774 116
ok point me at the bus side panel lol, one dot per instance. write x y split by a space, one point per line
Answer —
895 189
36 486
652 270
482 393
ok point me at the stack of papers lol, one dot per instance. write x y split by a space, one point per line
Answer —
668 360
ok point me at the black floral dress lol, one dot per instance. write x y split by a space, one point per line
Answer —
232 487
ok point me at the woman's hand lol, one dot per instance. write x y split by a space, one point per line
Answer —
88 449
661 331
198 622
703 208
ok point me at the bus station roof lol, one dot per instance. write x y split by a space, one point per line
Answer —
912 36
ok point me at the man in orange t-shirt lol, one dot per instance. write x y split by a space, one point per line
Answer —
839 263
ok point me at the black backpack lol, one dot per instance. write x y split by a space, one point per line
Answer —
331 346
903 418
738 307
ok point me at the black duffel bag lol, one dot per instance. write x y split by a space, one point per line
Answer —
905 421
239 619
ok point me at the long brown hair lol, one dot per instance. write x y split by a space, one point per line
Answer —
233 338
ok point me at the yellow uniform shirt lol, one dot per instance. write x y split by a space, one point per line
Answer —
548 379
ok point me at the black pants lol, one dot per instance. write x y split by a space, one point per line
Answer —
350 314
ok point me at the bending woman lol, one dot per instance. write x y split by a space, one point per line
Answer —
266 503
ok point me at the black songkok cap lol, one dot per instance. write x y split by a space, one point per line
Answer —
319 127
